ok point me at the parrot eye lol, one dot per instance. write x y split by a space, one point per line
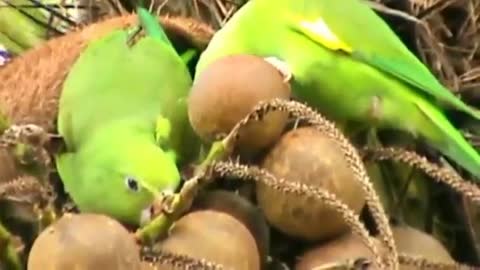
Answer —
132 184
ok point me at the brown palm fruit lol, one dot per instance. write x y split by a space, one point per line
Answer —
347 247
30 84
307 156
411 241
241 209
214 236
227 90
83 242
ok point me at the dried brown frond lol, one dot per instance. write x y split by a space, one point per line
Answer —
176 261
95 10
302 112
26 189
213 12
441 174
420 262
450 43
243 172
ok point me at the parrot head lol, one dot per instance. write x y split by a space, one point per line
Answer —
125 184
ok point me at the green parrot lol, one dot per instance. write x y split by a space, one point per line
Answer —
122 115
344 60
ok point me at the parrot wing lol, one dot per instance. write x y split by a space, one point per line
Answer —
150 23
377 46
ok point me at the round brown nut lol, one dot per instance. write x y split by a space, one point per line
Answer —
214 236
307 156
83 242
227 90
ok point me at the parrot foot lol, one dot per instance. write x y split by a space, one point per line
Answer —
31 134
169 202
281 66
164 204
31 145
25 142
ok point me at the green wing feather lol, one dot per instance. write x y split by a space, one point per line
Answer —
379 46
153 28
151 25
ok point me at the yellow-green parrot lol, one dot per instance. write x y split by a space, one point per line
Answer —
344 60
123 115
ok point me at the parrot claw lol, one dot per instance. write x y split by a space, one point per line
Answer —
22 133
281 66
166 203
33 135
169 202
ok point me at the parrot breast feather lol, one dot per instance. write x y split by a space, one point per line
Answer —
377 46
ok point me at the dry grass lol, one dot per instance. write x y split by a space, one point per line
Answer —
451 46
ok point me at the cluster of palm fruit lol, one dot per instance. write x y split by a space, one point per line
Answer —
301 201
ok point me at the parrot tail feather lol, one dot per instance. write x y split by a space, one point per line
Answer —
151 25
448 140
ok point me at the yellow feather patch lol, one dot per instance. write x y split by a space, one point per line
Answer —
163 130
319 31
